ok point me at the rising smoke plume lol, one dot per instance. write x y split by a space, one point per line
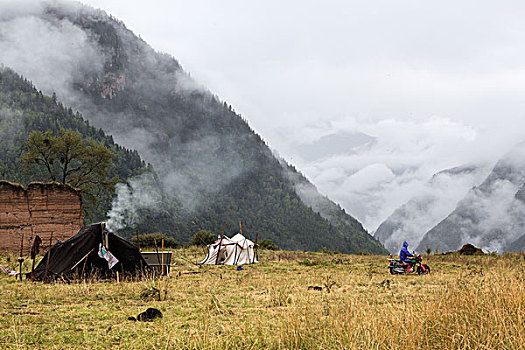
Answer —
141 192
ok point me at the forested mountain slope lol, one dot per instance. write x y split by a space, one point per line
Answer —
212 166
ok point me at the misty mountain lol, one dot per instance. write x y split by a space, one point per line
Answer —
436 200
517 246
212 166
491 216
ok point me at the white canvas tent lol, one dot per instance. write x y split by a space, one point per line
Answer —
237 250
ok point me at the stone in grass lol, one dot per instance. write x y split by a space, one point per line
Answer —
469 249
147 316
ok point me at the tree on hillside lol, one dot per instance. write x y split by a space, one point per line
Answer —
70 159
202 237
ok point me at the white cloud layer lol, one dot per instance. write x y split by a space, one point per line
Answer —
374 179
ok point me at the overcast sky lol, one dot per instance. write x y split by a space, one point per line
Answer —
436 84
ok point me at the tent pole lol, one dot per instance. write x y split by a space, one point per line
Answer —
48 255
162 255
205 245
33 257
138 243
138 247
33 269
102 234
240 226
220 243
255 255
103 227
157 249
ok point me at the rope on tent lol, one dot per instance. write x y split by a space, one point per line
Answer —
236 257
220 243
85 256
255 255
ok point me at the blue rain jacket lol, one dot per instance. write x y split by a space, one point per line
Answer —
404 253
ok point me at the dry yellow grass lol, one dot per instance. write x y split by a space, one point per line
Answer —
466 303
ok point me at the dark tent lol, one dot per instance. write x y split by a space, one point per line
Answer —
80 255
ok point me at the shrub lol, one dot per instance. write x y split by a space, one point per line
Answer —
147 240
267 244
313 262
328 251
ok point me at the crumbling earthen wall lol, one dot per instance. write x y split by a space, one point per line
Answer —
41 209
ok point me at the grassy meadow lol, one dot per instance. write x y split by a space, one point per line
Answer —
473 302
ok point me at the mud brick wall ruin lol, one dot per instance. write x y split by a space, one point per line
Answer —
41 209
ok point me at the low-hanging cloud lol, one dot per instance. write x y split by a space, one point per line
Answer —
434 202
491 215
373 179
501 217
52 54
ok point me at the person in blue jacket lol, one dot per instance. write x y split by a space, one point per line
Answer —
404 254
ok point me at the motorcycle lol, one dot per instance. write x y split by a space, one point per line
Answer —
415 265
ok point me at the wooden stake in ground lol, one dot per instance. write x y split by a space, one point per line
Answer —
162 254
157 249
20 258
138 247
220 243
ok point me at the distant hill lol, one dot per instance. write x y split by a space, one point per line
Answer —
212 166
428 207
491 216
